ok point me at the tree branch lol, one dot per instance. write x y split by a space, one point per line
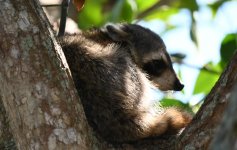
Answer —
153 8
37 90
226 136
204 68
200 132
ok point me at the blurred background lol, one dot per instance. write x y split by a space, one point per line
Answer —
200 35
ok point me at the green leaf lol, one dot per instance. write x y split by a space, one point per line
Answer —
122 11
144 4
206 79
91 15
228 47
162 13
216 5
189 4
167 102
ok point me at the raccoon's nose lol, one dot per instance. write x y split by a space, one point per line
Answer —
178 86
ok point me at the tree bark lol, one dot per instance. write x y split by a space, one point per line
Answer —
6 139
200 133
226 136
37 90
42 104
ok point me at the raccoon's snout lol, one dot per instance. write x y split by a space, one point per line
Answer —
178 86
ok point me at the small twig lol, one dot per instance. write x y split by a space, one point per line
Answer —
204 68
153 7
64 11
178 58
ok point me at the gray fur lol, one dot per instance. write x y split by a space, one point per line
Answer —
106 66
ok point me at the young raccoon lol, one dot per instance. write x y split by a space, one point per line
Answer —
114 69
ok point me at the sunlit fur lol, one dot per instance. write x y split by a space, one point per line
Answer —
107 66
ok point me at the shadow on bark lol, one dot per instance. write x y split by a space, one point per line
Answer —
6 138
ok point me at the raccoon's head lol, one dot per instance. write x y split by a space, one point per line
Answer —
149 53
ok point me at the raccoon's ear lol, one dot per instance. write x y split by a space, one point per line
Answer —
117 32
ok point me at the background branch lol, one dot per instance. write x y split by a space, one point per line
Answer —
153 8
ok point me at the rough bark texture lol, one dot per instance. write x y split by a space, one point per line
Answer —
226 136
6 139
36 88
201 131
41 101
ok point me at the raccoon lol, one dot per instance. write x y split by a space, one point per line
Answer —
114 69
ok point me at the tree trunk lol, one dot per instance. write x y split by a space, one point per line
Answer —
6 139
42 104
37 90
226 136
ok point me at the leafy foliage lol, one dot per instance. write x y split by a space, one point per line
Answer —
167 102
123 11
216 5
228 47
206 79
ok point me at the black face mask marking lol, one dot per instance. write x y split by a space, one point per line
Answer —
155 67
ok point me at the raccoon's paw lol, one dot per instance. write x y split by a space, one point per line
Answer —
177 119
172 121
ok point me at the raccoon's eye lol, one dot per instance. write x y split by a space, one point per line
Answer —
154 67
